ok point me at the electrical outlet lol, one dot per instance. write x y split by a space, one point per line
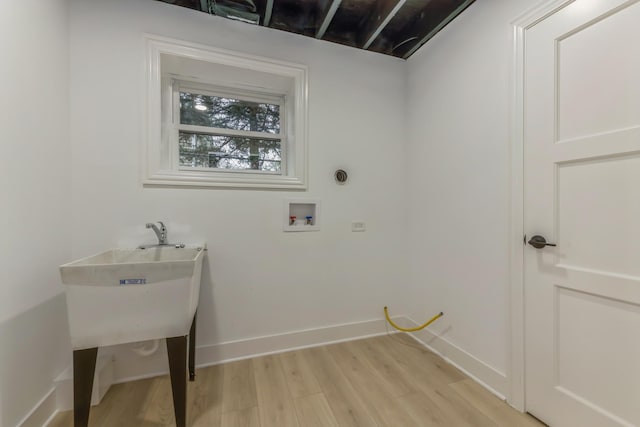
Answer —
358 226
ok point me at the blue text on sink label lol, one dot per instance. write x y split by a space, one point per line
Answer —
133 281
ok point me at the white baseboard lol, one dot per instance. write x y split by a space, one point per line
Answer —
244 349
42 413
237 350
487 376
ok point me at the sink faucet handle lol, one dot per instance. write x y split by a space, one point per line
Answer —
161 232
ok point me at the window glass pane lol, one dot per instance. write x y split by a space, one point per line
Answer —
228 113
229 152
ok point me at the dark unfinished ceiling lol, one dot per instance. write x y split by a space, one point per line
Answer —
390 27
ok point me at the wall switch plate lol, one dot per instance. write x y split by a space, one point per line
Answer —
358 226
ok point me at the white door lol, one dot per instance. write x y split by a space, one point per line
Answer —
582 192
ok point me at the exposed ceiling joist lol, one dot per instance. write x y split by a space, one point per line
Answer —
327 10
428 23
383 12
267 13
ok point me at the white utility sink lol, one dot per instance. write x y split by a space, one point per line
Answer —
128 295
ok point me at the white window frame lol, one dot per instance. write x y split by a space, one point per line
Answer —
160 157
234 93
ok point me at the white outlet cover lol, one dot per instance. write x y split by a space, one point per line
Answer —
358 226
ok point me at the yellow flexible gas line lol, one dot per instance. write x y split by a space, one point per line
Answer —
417 328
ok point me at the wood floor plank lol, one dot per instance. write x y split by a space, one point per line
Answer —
239 390
62 419
159 408
205 397
343 400
415 357
300 377
275 404
368 383
314 411
396 381
128 401
244 418
424 411
456 410
432 376
123 405
494 408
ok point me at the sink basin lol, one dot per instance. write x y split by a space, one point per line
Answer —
128 295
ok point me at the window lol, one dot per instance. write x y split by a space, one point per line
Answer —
223 130
223 119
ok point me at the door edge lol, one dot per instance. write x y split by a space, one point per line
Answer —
516 360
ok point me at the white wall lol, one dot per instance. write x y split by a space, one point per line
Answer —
259 280
459 183
35 187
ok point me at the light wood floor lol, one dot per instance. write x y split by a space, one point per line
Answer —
383 381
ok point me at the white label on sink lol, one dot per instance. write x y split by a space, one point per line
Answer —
133 281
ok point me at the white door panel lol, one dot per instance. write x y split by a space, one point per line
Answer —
604 98
582 191
582 318
598 212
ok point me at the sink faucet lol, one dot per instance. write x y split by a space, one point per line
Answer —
160 232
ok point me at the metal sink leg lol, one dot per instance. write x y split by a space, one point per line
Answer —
84 367
177 352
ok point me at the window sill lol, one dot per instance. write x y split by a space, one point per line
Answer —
224 180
